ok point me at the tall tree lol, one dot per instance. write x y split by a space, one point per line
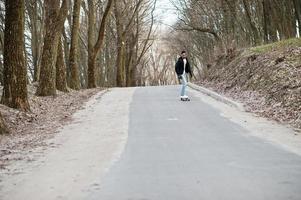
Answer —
3 127
120 79
251 23
73 62
144 45
94 48
35 12
55 19
15 79
61 72
297 5
260 21
124 16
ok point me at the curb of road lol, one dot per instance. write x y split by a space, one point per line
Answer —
217 96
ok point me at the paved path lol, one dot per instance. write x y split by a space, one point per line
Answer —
145 144
187 151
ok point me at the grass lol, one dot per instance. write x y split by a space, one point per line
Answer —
294 42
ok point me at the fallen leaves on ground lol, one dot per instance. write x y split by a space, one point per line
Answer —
268 83
29 130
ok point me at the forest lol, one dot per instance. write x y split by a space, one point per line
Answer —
248 50
209 28
72 45
66 45
150 99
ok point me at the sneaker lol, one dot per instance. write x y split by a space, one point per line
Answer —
184 98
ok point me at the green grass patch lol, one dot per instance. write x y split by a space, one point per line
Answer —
294 42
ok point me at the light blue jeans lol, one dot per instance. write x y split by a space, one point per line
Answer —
184 85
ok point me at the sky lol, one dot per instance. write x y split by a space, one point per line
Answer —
165 12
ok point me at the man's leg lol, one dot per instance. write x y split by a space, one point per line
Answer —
184 84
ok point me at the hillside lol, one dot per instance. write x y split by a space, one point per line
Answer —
29 130
267 79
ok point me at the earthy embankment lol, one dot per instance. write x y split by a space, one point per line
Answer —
267 79
30 129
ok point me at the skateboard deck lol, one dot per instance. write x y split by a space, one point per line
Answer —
185 99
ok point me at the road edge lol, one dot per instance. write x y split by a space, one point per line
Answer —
217 96
73 158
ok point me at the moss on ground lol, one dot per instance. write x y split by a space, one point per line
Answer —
294 42
269 74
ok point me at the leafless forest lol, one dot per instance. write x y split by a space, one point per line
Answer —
210 28
77 44
62 45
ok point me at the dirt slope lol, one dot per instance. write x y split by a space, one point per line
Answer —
30 129
266 78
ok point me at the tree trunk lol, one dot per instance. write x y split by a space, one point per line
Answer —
265 21
91 71
93 49
129 59
15 78
251 23
47 72
109 56
36 34
119 63
122 30
3 127
232 4
74 71
55 19
297 5
289 21
91 56
120 76
66 48
61 73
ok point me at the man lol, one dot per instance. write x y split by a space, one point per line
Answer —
182 68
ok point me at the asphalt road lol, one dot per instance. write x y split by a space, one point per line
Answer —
188 151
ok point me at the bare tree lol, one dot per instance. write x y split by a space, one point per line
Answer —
61 73
55 19
3 127
73 60
94 48
15 78
123 24
35 21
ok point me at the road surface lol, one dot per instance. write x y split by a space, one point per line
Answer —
174 150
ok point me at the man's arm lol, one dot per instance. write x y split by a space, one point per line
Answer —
177 68
189 69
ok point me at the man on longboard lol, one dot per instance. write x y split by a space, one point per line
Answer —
183 68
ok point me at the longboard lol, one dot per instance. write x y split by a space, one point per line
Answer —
185 99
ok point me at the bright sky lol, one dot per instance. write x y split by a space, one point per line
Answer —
165 12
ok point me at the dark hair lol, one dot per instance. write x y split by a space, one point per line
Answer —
183 52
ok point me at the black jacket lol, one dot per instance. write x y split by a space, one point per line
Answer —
180 67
